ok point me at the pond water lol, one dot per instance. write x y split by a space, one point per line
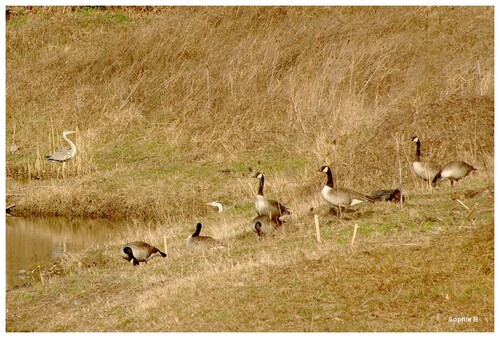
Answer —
33 240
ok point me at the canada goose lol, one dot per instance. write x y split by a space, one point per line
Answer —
340 197
196 242
264 225
136 252
392 195
425 170
219 205
455 171
266 207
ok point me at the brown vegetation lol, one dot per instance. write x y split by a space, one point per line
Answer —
166 101
174 107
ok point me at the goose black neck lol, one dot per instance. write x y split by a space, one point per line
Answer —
198 230
417 152
329 176
261 185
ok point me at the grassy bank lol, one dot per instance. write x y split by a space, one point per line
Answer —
409 269
175 107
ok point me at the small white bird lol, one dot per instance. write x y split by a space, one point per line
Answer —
219 205
62 156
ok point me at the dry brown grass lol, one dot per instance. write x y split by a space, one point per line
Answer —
409 269
162 95
177 106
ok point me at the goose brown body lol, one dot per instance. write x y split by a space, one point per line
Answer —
455 171
265 225
341 197
195 242
268 207
392 195
427 171
137 252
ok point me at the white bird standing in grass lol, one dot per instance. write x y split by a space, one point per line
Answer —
62 156
219 206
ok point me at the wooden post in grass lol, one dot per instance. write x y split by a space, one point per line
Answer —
42 280
471 211
354 233
470 214
316 224
165 244
400 174
466 207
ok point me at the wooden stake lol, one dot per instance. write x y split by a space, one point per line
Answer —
400 175
165 244
470 214
466 207
354 233
316 223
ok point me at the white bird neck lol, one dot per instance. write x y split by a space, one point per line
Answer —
73 147
219 205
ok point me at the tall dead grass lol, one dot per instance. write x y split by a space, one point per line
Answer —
409 269
178 94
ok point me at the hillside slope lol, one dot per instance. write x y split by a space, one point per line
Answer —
173 105
178 106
